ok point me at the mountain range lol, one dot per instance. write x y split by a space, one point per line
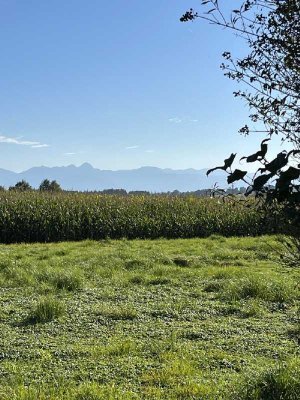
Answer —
86 177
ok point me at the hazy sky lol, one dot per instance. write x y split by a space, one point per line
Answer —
119 84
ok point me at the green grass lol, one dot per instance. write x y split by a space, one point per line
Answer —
45 310
211 319
280 382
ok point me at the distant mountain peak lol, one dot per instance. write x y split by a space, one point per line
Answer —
86 165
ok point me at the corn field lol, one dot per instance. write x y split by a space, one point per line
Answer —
42 217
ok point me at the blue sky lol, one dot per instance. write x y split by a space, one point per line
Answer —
119 84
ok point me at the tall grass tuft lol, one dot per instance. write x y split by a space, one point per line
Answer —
279 383
116 313
67 281
46 310
253 286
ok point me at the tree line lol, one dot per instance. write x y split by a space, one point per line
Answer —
54 187
45 186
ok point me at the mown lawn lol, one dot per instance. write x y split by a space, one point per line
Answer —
199 319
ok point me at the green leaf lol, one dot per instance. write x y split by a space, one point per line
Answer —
236 176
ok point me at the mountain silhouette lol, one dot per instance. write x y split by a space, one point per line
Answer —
86 177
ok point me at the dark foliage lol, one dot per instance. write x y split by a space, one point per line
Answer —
271 73
269 77
21 186
48 186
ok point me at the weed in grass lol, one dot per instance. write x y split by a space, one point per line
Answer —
121 348
193 390
137 279
134 264
117 347
117 313
67 281
279 383
61 280
15 272
159 276
175 370
44 257
282 292
263 255
23 392
195 335
164 313
225 273
181 262
46 310
252 309
294 332
61 253
159 280
218 238
260 287
214 286
230 309
162 259
93 391
88 392
222 273
249 287
196 294
160 348
85 391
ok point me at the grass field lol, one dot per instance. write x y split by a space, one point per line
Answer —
182 319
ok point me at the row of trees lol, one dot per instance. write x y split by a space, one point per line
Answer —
54 187
45 186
